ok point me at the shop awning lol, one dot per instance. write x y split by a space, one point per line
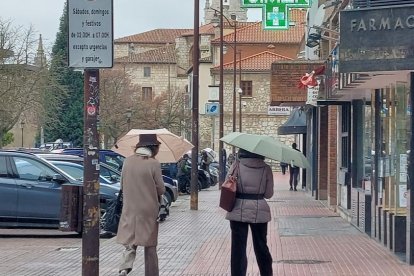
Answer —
295 124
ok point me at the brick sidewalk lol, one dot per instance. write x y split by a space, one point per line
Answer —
305 238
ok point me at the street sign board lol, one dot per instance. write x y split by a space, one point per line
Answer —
212 109
276 12
90 33
376 39
213 93
279 110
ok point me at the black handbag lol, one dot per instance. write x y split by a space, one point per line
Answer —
112 214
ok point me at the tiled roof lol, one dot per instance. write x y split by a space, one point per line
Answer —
258 62
254 34
208 29
157 36
165 54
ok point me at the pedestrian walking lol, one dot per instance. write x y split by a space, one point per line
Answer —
283 166
142 186
294 173
183 173
254 184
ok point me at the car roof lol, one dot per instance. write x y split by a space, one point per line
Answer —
81 150
29 154
15 152
60 157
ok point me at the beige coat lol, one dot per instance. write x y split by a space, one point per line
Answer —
255 177
142 184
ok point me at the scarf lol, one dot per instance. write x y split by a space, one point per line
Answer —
144 152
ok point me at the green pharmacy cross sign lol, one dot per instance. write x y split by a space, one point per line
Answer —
276 12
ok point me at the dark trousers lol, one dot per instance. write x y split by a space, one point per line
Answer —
239 231
294 173
283 169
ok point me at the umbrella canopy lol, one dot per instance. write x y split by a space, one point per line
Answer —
172 146
266 146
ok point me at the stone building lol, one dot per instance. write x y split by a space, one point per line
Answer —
162 59
256 50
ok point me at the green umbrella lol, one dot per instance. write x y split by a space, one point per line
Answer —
266 146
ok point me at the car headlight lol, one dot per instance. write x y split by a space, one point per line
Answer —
175 182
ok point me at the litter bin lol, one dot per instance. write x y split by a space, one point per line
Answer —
71 208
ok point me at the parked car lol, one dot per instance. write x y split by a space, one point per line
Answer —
112 175
105 156
30 190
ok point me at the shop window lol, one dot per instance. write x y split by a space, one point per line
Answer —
247 87
147 93
147 72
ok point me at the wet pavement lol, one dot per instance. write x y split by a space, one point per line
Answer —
305 238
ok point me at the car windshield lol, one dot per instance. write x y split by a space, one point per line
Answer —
76 171
115 161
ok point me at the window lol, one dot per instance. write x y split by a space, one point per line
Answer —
32 170
109 175
147 93
114 161
345 140
147 72
74 171
247 87
3 167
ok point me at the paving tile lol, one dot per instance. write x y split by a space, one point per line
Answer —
304 237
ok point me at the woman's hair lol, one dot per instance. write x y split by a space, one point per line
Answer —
247 154
154 149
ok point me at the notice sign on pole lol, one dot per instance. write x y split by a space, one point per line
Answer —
90 33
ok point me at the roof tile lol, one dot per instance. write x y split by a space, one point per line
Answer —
165 54
258 62
157 36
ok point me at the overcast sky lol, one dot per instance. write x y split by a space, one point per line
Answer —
130 16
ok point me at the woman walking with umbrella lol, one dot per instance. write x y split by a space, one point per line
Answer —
142 187
254 184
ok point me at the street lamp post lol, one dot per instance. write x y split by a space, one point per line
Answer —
221 87
128 115
240 108
22 123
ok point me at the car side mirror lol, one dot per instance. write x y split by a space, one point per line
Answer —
59 178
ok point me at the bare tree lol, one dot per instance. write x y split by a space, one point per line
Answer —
164 111
116 97
23 87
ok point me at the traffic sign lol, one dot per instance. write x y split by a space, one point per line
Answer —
90 33
212 109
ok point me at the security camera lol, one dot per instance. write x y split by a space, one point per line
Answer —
244 104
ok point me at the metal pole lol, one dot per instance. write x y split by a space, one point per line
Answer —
194 153
91 211
221 127
410 216
234 77
241 94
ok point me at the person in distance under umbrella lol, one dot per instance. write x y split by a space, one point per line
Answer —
254 184
143 187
